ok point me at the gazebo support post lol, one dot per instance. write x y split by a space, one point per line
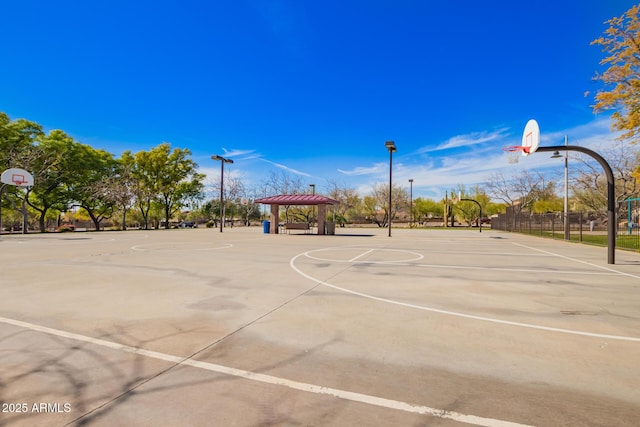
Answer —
322 215
274 219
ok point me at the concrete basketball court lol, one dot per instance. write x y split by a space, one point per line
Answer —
426 328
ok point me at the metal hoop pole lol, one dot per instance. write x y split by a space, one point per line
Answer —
1 191
480 207
611 194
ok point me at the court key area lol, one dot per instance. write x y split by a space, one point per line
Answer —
241 328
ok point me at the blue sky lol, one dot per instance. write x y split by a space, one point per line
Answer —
313 88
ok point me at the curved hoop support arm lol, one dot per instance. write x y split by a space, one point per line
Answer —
479 207
611 193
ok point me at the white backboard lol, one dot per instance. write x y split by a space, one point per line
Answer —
531 137
18 177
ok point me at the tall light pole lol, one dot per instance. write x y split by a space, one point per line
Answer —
222 162
567 235
391 146
567 230
410 202
313 210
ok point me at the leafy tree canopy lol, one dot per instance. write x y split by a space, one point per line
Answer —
621 43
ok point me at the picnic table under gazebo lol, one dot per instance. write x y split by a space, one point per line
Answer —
297 200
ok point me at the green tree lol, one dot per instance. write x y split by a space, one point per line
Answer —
555 204
167 177
18 149
468 211
53 175
90 168
143 182
424 209
17 142
621 92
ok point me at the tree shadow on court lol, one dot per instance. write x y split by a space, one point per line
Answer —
279 407
337 235
61 371
95 381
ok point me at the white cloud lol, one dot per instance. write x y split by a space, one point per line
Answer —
591 135
473 167
470 160
286 168
361 170
237 153
473 138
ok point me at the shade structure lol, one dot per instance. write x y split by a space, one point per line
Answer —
298 200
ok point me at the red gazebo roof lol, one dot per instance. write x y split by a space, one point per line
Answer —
297 199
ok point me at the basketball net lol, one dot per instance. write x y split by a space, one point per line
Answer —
514 152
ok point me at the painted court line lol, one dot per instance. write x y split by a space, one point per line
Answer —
577 260
410 262
179 246
268 379
292 264
518 270
361 255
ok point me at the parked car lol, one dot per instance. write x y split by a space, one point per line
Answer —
187 224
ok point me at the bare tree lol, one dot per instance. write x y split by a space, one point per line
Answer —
519 191
378 203
348 198
118 188
590 183
282 182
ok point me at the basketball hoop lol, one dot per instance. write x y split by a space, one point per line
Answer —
19 181
530 143
17 177
514 152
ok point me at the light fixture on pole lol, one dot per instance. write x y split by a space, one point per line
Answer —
222 162
410 202
391 146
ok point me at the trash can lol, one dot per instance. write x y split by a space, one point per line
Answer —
266 227
330 227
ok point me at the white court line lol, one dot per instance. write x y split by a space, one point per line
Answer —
268 379
578 260
361 255
409 262
355 259
429 251
154 247
454 313
519 270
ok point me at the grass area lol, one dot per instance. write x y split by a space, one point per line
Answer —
598 238
628 242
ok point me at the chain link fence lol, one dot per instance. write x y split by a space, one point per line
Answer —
583 227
